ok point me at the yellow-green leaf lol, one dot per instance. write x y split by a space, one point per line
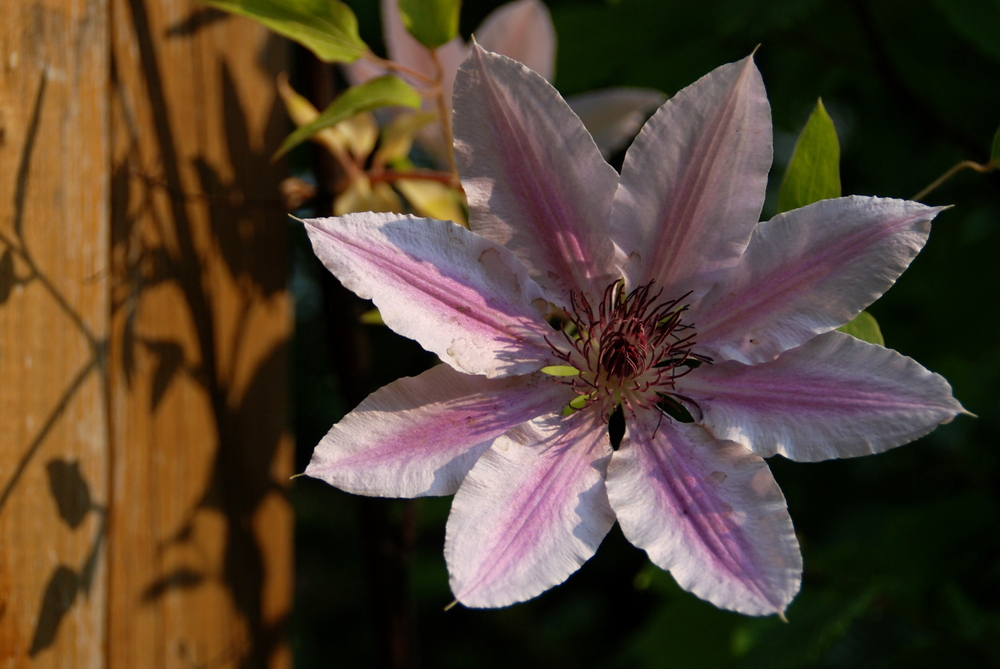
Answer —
362 195
379 92
865 328
433 199
372 317
431 22
813 173
560 370
328 28
398 136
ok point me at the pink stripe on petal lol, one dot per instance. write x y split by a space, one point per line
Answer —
459 295
530 512
420 436
709 512
832 397
692 185
808 271
533 175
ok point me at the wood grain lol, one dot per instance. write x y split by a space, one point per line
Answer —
54 289
144 321
200 557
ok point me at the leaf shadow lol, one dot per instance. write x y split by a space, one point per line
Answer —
248 415
57 600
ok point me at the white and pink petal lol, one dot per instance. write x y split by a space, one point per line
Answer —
521 30
692 184
808 271
460 295
707 511
421 435
531 511
534 178
833 397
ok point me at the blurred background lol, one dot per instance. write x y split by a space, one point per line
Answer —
902 550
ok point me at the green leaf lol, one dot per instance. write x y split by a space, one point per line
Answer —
328 28
995 150
813 174
380 92
432 22
560 370
865 328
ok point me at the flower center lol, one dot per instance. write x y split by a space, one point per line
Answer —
628 352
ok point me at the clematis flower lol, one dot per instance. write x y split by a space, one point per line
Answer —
522 30
712 334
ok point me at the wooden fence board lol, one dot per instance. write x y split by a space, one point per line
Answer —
200 571
54 216
144 451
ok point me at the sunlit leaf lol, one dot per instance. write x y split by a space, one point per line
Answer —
433 199
865 328
362 195
431 22
813 174
380 92
328 28
355 135
398 136
560 370
371 317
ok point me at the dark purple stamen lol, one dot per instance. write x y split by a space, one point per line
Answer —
630 349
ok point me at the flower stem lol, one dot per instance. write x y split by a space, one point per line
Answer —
964 165
393 66
444 110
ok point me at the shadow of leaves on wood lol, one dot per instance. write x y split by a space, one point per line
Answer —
70 491
197 21
169 361
57 600
249 419
7 278
182 579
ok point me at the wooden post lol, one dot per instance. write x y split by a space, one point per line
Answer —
144 450
54 292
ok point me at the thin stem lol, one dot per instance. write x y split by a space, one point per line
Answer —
349 166
444 110
393 66
964 165
447 178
